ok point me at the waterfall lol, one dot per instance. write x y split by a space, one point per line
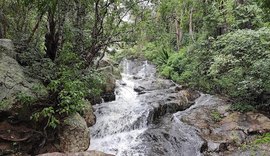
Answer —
119 122
126 126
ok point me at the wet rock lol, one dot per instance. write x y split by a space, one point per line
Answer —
216 146
167 120
107 97
87 153
139 89
230 131
190 95
74 134
110 84
137 77
169 101
153 84
88 114
247 122
122 83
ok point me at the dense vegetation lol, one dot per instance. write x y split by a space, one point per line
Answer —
218 46
215 46
221 47
61 44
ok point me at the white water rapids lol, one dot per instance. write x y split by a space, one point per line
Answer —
120 122
130 126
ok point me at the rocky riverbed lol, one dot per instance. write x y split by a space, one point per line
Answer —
149 116
153 116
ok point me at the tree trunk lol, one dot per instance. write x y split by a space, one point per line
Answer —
3 25
79 24
191 25
63 9
35 28
94 47
51 38
177 29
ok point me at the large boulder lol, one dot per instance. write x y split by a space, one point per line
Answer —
110 83
7 46
74 134
88 114
249 122
12 79
224 131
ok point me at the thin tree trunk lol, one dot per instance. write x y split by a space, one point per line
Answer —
63 9
177 33
94 48
35 28
52 37
191 24
79 24
3 25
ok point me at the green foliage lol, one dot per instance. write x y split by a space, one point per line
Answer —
216 116
235 64
242 107
71 85
25 98
264 139
39 90
248 16
37 66
48 113
5 104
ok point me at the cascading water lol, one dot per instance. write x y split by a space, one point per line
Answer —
129 126
121 121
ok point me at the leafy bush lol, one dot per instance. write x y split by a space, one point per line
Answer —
236 64
241 107
25 98
73 83
241 63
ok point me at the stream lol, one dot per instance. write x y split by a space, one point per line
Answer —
145 118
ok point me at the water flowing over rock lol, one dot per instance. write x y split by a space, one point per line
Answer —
143 124
156 117
88 153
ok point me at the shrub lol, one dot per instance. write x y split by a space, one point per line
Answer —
236 64
241 107
73 83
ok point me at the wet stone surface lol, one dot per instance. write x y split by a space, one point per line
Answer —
156 117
